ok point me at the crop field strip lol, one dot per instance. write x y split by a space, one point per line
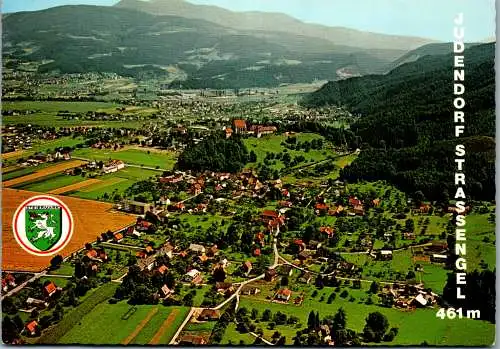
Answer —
100 184
44 172
139 327
12 154
76 186
166 324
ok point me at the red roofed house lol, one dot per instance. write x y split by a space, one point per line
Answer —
264 130
327 230
166 292
269 215
92 254
209 315
143 225
239 125
300 244
191 340
256 252
259 238
163 269
50 289
320 207
31 327
7 281
229 132
284 294
117 237
353 201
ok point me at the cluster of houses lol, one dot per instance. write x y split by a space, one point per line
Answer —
409 297
435 251
96 168
50 290
241 126
16 138
355 207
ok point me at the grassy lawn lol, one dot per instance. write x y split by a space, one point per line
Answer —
164 160
94 328
59 281
233 337
480 241
66 268
414 327
383 270
272 144
433 276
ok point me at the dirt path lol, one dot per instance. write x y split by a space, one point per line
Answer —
166 324
139 327
75 186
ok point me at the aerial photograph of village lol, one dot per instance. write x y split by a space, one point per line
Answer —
245 173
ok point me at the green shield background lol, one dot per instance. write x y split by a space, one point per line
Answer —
39 236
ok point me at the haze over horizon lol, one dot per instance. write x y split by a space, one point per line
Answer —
421 18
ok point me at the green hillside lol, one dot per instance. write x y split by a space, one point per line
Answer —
406 128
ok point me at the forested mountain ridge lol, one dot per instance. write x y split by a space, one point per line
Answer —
182 52
406 125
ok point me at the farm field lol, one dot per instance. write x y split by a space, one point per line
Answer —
51 183
91 218
75 186
113 183
16 171
94 327
46 171
163 160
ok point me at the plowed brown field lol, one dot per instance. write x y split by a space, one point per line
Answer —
44 172
75 186
91 218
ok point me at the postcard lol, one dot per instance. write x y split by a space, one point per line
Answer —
248 173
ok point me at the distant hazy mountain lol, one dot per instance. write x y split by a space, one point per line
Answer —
426 50
274 22
184 52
